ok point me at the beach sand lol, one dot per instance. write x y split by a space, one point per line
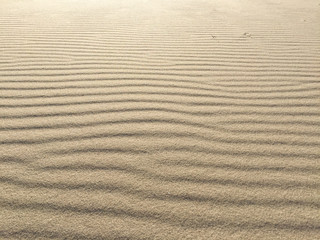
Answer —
159 119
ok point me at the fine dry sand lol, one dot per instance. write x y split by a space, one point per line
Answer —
159 119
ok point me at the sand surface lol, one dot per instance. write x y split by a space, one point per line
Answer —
159 119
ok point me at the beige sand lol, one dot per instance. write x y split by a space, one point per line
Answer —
159 119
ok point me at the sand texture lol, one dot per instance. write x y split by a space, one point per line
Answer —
159 119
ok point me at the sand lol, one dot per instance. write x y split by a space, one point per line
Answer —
159 119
